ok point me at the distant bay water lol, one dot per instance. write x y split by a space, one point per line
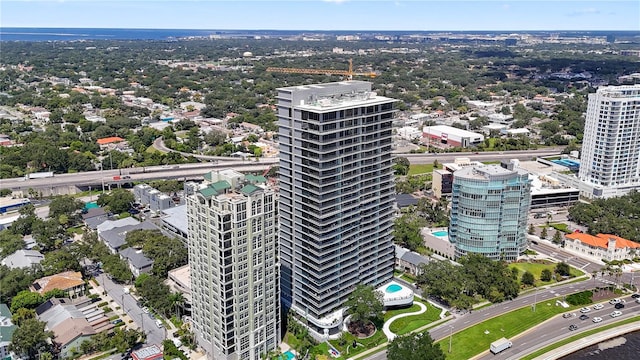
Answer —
74 34
625 347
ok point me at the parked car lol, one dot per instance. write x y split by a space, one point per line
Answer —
145 310
116 321
573 327
598 306
616 314
597 319
158 323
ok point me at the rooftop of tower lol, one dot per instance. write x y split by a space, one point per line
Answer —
486 172
333 96
620 91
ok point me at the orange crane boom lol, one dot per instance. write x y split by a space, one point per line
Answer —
348 73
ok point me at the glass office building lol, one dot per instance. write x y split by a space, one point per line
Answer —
489 208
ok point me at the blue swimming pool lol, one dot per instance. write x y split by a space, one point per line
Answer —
393 288
567 163
441 233
287 355
91 205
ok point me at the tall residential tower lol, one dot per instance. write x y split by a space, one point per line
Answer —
336 196
610 159
232 222
489 208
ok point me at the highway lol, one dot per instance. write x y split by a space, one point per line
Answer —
195 170
557 329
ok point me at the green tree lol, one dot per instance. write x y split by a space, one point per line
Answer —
557 238
401 166
546 275
528 278
532 229
544 234
363 304
22 314
10 243
65 205
118 200
414 347
30 338
59 261
26 299
563 269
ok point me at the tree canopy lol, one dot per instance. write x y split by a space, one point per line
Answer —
414 347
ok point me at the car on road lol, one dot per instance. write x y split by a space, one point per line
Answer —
616 314
145 310
619 306
126 177
573 327
635 296
638 300
598 306
566 315
615 301
158 323
584 317
585 310
597 319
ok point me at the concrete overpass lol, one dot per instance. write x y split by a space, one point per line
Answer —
71 183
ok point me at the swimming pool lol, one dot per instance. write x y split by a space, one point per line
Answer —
441 233
287 355
567 163
91 205
393 288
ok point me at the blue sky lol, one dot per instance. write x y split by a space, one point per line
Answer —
324 15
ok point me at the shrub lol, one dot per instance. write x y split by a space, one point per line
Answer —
581 298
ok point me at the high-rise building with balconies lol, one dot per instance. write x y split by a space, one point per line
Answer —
232 232
489 209
610 159
337 194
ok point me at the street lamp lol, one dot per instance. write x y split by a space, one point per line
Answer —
450 337
535 299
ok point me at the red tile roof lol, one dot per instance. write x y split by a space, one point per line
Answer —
602 240
109 140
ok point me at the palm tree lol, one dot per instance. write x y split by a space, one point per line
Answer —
176 300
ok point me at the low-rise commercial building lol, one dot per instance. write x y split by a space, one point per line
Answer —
602 246
451 136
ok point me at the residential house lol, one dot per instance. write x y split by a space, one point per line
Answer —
70 282
6 333
115 238
409 261
23 259
138 262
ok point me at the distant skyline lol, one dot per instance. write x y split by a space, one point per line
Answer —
352 15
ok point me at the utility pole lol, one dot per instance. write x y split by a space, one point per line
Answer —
535 299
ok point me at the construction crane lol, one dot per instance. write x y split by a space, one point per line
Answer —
348 73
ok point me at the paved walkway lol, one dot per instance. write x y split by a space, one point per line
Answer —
385 328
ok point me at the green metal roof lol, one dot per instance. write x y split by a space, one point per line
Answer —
208 192
220 185
256 178
6 332
248 189
207 176
4 311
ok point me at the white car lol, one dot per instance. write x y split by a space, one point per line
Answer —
638 300
614 301
597 319
598 306
145 310
585 310
616 314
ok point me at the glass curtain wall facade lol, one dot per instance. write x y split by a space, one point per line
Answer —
489 209
232 223
336 196
611 145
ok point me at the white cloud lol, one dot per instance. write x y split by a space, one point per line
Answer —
586 11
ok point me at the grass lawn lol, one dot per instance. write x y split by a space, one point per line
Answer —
416 169
408 324
368 343
152 150
579 336
408 278
561 226
476 339
536 270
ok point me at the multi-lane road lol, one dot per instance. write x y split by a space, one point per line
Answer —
196 170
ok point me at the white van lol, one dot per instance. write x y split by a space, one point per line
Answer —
158 323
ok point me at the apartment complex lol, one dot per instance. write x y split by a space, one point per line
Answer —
336 197
233 264
489 208
610 161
